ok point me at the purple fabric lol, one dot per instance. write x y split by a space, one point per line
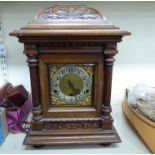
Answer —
15 119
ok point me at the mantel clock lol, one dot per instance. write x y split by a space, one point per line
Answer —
70 50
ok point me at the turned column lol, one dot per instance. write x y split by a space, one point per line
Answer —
109 52
32 61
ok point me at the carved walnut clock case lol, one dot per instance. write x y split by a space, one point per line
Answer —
70 50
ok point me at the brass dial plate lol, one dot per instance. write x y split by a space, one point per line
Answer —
71 84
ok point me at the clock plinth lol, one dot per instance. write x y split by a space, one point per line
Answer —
70 50
73 136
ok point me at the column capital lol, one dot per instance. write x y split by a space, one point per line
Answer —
30 49
110 49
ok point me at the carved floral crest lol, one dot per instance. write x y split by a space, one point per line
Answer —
69 12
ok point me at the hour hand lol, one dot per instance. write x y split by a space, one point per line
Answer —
73 89
70 84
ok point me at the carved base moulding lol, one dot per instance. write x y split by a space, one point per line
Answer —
70 131
70 50
72 136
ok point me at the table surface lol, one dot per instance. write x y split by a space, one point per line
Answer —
131 143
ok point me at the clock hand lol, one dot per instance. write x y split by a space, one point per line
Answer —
74 90
71 86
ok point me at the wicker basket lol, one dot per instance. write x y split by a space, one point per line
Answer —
144 126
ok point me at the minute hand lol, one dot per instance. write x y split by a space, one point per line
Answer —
73 89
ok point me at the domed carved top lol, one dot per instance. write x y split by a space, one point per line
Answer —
69 20
68 12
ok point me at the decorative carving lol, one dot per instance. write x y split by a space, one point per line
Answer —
111 46
106 110
54 68
89 69
69 12
71 125
86 102
36 127
67 43
55 101
74 123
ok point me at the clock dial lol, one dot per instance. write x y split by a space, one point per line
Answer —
71 84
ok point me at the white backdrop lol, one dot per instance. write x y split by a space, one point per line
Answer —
136 17
135 61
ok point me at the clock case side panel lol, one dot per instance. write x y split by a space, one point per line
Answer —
71 112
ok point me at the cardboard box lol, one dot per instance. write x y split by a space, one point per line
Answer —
3 125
